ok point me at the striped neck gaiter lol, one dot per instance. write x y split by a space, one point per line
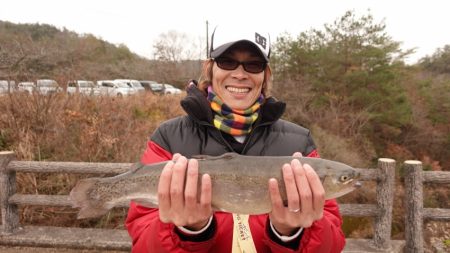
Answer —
233 122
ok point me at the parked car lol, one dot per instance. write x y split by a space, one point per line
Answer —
47 86
7 87
114 88
83 87
27 87
134 84
4 86
169 89
152 86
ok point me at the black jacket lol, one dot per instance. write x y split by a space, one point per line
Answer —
195 134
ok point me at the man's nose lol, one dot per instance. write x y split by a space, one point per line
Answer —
240 72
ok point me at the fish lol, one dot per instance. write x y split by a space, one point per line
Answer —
239 183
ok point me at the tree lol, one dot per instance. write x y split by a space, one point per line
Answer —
174 46
439 62
347 72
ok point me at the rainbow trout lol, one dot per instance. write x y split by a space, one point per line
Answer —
239 183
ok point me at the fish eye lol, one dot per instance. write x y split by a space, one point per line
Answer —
343 178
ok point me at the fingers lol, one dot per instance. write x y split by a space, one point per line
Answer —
191 189
178 193
164 191
275 197
177 184
206 196
297 154
317 190
176 156
291 186
304 192
303 186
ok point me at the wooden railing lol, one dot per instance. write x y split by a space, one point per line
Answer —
384 176
11 232
415 212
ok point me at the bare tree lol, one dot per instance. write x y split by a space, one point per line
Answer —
175 46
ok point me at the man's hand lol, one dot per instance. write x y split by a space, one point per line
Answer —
305 195
178 202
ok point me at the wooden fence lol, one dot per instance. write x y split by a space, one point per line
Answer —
11 232
415 212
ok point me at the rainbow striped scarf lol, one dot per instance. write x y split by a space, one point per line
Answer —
233 122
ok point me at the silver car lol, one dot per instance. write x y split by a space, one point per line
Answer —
134 84
114 88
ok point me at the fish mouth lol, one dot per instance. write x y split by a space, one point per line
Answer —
347 189
348 181
357 183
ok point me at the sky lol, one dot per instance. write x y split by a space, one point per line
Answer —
422 25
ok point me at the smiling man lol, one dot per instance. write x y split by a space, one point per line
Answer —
231 110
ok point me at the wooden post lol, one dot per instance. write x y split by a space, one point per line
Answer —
385 199
414 207
10 215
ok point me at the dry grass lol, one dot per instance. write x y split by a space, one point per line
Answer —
81 128
77 128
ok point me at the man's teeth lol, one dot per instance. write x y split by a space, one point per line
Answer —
238 90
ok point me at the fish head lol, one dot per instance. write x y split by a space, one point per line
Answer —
341 182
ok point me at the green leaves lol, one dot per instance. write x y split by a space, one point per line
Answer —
351 64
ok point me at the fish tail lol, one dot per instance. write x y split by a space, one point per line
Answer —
81 198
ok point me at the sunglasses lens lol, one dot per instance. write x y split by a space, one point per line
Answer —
249 66
254 66
227 64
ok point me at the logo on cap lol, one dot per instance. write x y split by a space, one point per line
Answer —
260 40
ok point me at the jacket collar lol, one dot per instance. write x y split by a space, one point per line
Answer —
197 106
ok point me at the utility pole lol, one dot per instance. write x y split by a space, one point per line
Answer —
207 40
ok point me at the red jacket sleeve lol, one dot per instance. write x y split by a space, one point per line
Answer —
149 234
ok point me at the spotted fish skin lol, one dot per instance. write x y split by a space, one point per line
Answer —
239 183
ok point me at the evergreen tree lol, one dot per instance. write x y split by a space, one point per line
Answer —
352 67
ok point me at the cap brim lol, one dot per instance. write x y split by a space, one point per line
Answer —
223 48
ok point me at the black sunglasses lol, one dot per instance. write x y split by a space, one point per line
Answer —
253 67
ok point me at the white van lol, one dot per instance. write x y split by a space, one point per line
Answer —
114 88
47 86
134 84
83 87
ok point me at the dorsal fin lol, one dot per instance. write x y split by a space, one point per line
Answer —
136 166
225 156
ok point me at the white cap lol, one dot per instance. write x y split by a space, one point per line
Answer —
223 38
